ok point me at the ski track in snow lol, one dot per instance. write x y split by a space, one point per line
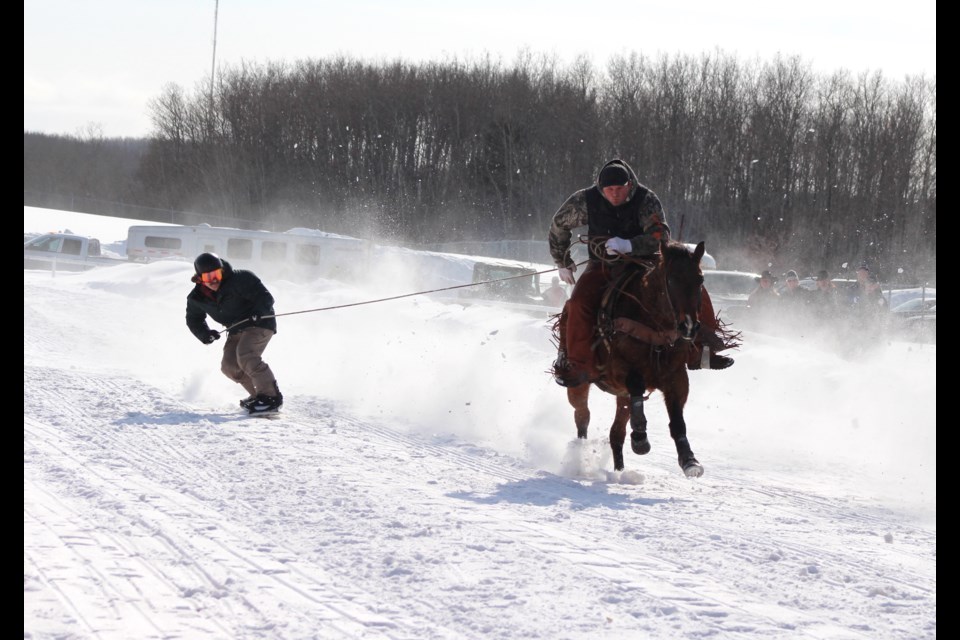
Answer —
319 524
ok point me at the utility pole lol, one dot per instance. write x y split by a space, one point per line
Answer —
213 65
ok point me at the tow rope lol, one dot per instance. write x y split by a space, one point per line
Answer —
404 295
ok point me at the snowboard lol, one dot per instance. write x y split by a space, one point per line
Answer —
269 415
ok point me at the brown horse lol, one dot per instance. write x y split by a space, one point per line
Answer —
647 324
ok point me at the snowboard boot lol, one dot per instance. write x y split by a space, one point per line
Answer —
265 403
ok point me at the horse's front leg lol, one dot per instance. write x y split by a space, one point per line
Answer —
577 397
675 401
618 431
638 419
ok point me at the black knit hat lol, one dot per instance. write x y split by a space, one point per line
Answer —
613 175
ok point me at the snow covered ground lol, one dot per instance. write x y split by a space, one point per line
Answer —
424 481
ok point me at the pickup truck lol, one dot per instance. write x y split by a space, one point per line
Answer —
65 252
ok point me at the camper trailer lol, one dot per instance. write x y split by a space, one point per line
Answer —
295 254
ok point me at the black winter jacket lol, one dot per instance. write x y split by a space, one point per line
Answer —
241 295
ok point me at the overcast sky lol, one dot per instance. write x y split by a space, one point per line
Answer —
100 62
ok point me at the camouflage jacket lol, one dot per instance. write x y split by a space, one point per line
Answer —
640 219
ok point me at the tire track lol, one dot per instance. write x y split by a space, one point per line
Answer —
634 538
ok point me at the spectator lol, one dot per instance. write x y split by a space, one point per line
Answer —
856 289
793 295
825 296
554 295
870 305
765 294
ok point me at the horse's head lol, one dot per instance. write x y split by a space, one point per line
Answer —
684 281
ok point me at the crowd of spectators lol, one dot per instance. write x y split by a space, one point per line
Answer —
857 306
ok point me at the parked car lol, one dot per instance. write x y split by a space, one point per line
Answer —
915 319
920 328
729 290
66 252
896 297
916 307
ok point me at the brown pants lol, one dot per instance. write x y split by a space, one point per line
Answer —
243 364
580 316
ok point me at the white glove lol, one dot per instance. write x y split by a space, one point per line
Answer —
567 274
618 245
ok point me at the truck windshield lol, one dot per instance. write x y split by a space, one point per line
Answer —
51 244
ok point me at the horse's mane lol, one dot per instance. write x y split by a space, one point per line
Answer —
675 249
671 251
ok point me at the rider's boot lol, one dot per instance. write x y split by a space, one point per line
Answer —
708 342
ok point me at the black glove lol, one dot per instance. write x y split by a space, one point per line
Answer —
254 318
211 336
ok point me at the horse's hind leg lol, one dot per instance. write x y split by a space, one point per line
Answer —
577 397
678 431
618 431
638 419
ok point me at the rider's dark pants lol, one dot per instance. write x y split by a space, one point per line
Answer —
581 316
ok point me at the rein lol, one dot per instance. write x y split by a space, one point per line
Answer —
607 324
598 248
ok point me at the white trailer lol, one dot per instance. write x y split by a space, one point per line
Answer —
296 254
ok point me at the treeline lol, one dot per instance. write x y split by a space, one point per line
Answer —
88 165
802 170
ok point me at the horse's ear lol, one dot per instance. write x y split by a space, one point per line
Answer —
699 251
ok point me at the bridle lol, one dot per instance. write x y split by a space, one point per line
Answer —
689 326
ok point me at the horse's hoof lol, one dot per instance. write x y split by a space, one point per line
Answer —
618 459
692 468
639 443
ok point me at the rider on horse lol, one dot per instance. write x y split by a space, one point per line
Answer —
630 216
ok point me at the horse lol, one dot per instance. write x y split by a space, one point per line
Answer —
646 325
